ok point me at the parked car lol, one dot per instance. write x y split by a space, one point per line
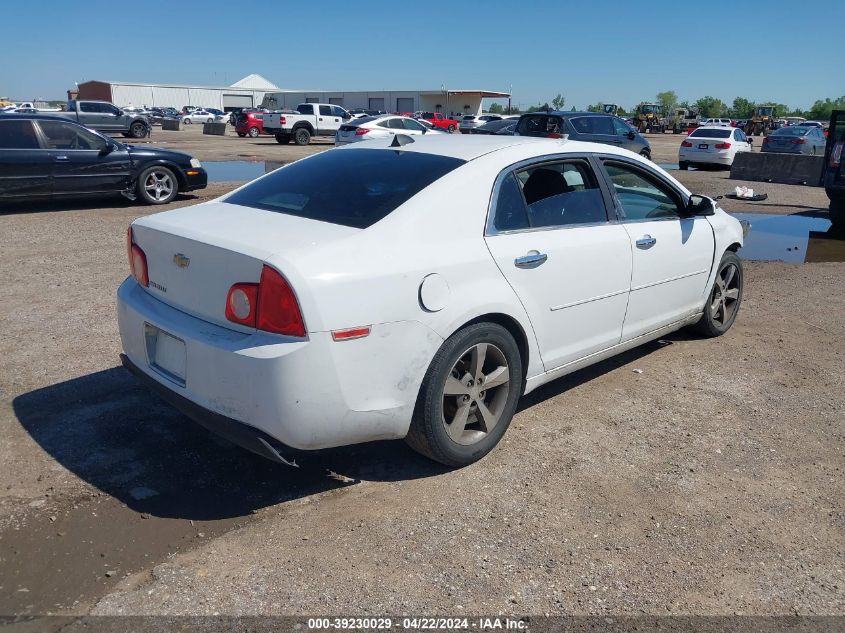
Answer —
439 120
309 119
795 139
220 116
106 117
595 127
45 155
371 127
717 122
457 308
249 124
203 116
502 126
470 121
715 145
833 176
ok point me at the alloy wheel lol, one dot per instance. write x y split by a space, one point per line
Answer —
159 185
475 393
723 302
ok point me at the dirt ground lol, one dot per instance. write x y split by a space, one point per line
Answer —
709 483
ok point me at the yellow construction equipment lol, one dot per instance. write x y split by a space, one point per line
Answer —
650 116
762 122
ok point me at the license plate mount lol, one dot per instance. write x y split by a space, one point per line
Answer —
166 354
703 146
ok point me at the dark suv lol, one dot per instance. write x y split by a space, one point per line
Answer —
595 127
833 176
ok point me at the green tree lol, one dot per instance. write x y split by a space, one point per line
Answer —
668 101
595 107
711 107
558 102
742 108
821 110
496 108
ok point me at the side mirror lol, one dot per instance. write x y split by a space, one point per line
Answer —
750 140
107 149
632 135
700 205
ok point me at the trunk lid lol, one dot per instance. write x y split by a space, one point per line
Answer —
194 255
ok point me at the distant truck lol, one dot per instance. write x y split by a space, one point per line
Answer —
439 120
307 121
106 117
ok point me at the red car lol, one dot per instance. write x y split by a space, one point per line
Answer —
249 124
440 120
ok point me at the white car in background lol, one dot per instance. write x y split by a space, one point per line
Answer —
714 145
417 290
716 123
470 121
202 116
368 128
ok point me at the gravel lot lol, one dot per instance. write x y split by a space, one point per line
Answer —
710 483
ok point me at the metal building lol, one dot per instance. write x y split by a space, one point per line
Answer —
246 93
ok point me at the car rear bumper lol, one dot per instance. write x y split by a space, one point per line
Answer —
304 393
713 158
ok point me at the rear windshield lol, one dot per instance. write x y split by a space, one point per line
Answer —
792 131
469 117
711 133
352 187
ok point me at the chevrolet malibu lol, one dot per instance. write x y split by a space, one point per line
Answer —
416 288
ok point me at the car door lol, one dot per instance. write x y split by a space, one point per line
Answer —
672 253
325 119
412 127
625 136
550 235
603 131
741 140
24 163
84 162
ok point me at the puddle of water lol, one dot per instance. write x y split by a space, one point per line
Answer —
238 170
791 238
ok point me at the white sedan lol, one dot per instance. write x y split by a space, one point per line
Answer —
712 145
416 288
202 116
385 126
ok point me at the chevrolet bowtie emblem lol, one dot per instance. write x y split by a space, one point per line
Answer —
181 261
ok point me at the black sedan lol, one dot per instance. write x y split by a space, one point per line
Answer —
45 156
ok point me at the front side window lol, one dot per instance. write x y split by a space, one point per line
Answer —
641 197
18 135
410 124
620 127
356 187
68 136
325 110
602 125
89 107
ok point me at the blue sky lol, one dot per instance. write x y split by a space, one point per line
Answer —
588 51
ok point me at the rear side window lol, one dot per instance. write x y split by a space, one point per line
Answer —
325 110
711 133
356 187
539 125
18 135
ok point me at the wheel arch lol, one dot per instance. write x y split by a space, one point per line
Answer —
303 124
181 179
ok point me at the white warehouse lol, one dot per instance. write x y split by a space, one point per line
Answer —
246 93
254 91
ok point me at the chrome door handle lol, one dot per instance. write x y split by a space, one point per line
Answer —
59 157
531 260
646 241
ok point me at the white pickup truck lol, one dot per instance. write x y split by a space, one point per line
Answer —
309 119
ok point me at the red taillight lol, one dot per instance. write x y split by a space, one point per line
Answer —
137 260
278 309
282 120
269 305
799 141
686 144
722 146
242 304
360 131
554 135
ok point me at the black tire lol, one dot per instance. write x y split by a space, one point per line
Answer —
187 121
683 165
450 128
157 196
253 132
428 433
209 120
241 134
301 136
710 324
138 129
282 139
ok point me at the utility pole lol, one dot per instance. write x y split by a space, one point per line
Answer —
510 94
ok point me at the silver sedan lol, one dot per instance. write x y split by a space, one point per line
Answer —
795 139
